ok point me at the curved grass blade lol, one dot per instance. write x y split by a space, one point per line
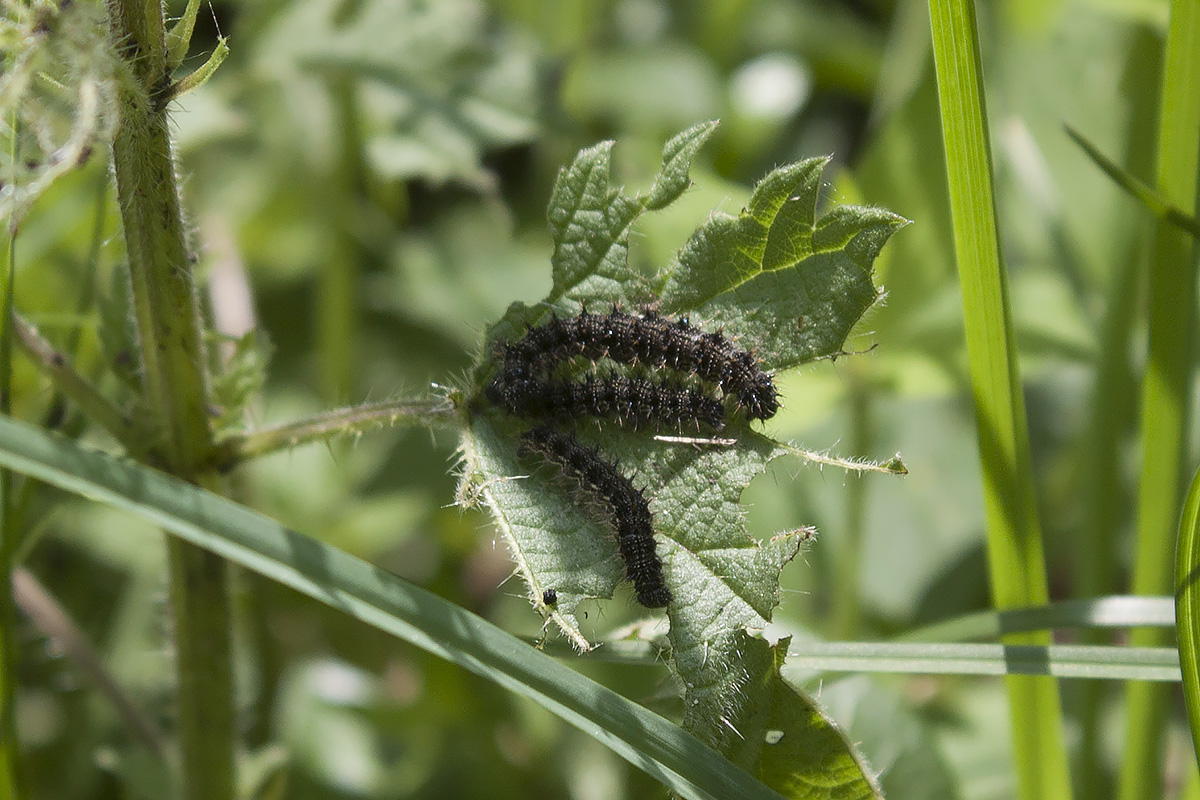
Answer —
1158 205
378 598
1187 606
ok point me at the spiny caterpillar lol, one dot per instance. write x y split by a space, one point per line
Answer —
624 505
635 402
650 340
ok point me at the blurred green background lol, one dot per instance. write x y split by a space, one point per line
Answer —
366 184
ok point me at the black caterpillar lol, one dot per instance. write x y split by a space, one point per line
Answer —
636 402
650 340
625 506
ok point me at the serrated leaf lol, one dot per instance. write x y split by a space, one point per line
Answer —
880 718
786 283
723 580
729 580
590 223
786 740
590 220
678 155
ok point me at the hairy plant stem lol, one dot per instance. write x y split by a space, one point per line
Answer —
349 421
168 325
71 384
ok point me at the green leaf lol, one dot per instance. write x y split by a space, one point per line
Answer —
240 379
731 580
180 35
201 74
788 740
590 220
378 598
590 223
789 284
678 155
445 82
880 717
1115 611
723 580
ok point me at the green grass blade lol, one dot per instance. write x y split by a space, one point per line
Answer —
1118 611
381 599
1165 385
1061 661
1187 606
1015 557
1158 205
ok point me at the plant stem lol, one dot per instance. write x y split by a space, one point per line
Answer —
1015 557
74 386
159 262
349 421
1165 385
337 328
168 324
848 612
53 622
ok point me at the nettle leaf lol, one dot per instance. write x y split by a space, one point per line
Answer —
788 284
590 220
787 740
776 265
